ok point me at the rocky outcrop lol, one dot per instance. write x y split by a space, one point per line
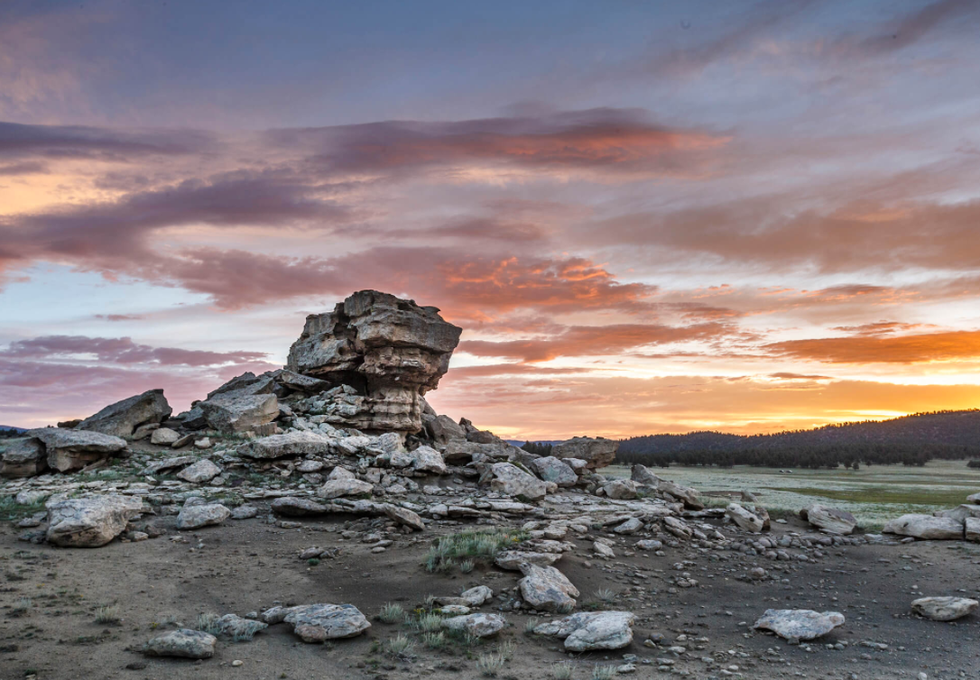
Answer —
238 411
122 418
596 453
388 352
90 522
799 624
68 450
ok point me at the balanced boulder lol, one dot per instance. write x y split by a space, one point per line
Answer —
122 418
69 450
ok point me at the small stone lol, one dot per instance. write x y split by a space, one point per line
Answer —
944 608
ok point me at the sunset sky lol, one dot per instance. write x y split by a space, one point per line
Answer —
647 216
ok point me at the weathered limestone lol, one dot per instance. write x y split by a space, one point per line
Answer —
621 489
164 436
926 527
587 631
201 471
830 520
744 519
424 459
944 608
337 488
239 410
552 469
972 529
289 444
184 643
390 351
443 429
596 453
90 522
69 450
799 624
197 516
122 418
26 457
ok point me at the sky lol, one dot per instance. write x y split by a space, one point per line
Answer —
646 216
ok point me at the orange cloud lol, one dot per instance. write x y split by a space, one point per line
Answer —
864 349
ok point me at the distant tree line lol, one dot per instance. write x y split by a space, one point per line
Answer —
539 448
6 433
912 440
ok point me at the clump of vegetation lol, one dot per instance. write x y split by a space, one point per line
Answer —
562 671
208 623
22 608
975 463
434 640
313 561
605 595
603 672
429 623
12 511
392 613
472 546
400 646
490 664
108 615
466 566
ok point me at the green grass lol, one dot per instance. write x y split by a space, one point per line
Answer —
12 511
884 494
471 546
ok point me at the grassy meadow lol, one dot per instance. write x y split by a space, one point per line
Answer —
873 494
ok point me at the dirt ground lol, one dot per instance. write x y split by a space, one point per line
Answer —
49 598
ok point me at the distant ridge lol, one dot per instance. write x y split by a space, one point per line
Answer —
11 427
912 440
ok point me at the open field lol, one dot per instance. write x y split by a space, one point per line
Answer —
873 494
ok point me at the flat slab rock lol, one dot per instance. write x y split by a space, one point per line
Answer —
477 625
322 622
90 522
183 643
944 608
511 560
799 624
591 630
926 527
831 520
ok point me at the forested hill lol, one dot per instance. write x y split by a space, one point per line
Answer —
912 440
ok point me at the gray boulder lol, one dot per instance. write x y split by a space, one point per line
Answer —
971 527
620 489
546 588
239 410
512 481
477 625
423 459
322 622
511 560
944 608
926 527
596 453
90 522
197 516
476 596
25 457
745 519
164 436
799 624
552 469
392 350
641 474
291 506
685 494
404 517
975 498
183 643
337 488
443 429
69 450
122 418
587 631
831 520
960 512
200 472
236 626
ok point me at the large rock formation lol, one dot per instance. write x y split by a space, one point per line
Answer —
381 354
122 418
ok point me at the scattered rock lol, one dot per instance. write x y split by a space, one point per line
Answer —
552 469
322 622
201 471
235 626
744 519
621 489
830 520
586 631
239 410
25 457
404 517
596 453
546 588
299 443
477 625
337 488
944 608
90 522
69 450
512 481
184 643
474 597
799 624
926 527
197 516
164 436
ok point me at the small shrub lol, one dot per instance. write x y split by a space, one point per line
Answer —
434 640
506 650
208 623
529 626
471 546
313 561
108 615
430 623
392 613
490 664
603 672
466 566
562 671
605 595
400 646
22 608
566 608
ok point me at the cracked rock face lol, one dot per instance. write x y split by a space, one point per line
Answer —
390 351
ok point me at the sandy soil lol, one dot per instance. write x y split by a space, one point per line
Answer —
249 565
